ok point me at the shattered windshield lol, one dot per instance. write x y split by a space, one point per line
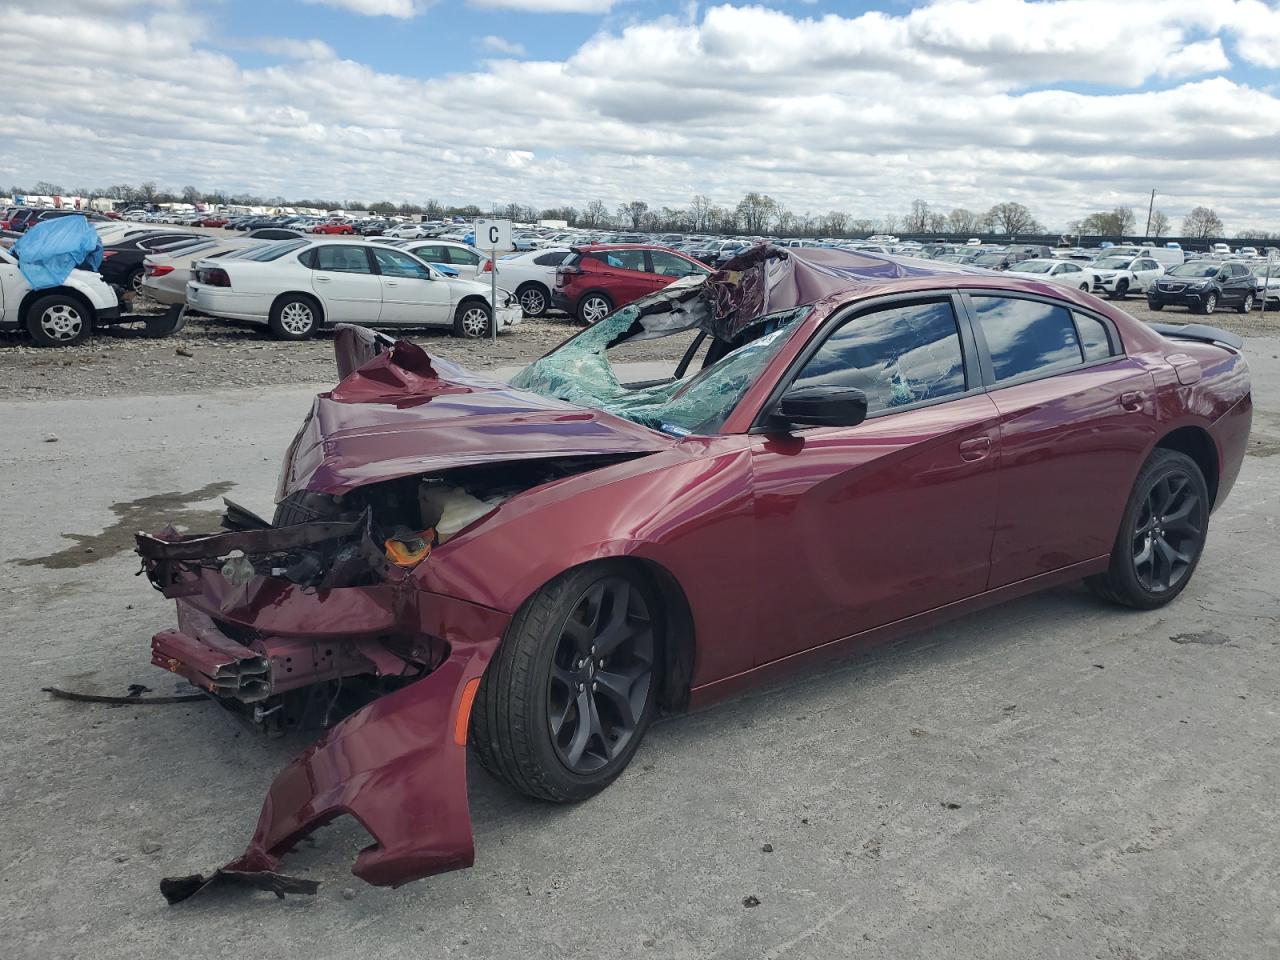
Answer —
580 372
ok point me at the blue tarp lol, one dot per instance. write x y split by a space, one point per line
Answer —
49 251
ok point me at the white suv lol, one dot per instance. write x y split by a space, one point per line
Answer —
60 316
1119 276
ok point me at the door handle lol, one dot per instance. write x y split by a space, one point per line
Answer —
975 449
390 283
322 279
1131 401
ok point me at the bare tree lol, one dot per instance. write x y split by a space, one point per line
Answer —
1159 224
596 214
917 221
1012 219
961 220
633 211
861 226
699 208
755 210
1202 223
1108 223
784 220
889 224
837 221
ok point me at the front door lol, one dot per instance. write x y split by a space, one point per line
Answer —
411 294
343 278
1075 417
861 526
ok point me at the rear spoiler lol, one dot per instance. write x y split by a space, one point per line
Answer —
1201 332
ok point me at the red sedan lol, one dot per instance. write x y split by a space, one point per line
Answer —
540 568
596 279
333 227
213 220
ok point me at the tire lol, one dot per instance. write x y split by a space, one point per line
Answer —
1210 303
545 720
593 308
1084 288
133 282
58 321
1154 557
534 299
472 320
168 323
294 316
1247 306
1157 307
1121 291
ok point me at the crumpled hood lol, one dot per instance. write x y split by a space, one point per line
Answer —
403 413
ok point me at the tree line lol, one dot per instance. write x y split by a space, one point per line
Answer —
756 213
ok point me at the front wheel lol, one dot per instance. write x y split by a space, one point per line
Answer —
58 321
472 320
1122 290
1155 306
1210 304
1162 534
572 689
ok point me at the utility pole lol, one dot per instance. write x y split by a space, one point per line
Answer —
1150 210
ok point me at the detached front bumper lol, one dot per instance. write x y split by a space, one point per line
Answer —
509 316
397 765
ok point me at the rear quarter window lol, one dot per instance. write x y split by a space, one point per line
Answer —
1026 337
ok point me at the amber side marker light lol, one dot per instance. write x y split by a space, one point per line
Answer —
464 711
408 551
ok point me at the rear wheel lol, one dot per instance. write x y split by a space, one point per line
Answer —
533 299
567 699
58 321
294 317
1162 534
133 283
472 320
1248 304
594 307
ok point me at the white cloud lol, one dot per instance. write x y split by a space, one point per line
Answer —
959 103
500 45
548 6
401 9
295 49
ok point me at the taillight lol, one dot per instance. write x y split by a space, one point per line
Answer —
108 254
563 272
488 267
213 278
157 269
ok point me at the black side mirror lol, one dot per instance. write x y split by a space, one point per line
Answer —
821 406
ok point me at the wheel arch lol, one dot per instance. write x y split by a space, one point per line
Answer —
1197 443
31 296
470 298
525 285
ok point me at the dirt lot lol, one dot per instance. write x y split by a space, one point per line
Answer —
124 362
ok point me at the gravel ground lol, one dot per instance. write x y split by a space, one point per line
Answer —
210 355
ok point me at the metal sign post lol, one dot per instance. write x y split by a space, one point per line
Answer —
1266 284
493 234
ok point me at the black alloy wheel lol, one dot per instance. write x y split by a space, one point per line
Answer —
601 675
1162 534
1169 533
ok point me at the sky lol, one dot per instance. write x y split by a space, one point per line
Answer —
1066 106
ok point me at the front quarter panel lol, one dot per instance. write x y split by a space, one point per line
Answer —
688 509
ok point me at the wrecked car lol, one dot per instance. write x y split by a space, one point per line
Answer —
852 446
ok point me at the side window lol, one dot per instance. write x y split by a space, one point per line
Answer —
896 357
1069 268
462 256
1239 270
1150 265
1095 340
621 259
342 259
669 265
550 259
1026 336
432 254
393 263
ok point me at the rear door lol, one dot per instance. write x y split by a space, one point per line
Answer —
623 274
1076 415
410 293
344 279
1238 285
1147 271
668 267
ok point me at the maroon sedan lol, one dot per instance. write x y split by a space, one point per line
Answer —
596 279
540 568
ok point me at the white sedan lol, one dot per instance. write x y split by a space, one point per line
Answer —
297 286
532 275
466 260
1062 272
